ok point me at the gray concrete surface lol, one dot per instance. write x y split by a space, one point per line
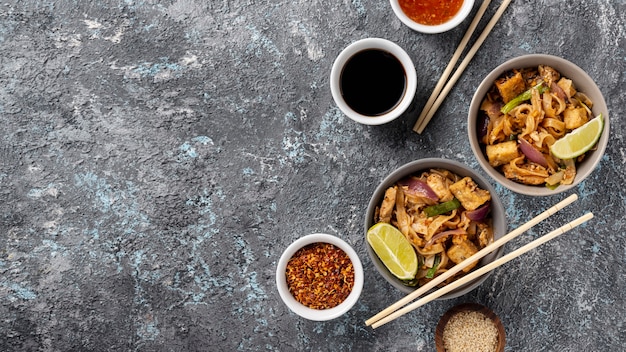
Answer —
158 156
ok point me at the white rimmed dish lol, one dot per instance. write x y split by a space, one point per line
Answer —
377 44
457 19
299 308
583 82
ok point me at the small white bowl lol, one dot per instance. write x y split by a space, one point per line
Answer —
380 44
583 82
299 308
460 16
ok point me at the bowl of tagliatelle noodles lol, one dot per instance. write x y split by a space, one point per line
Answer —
445 212
538 125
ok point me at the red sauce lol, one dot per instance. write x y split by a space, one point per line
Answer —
430 12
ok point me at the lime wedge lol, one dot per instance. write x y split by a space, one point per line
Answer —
394 250
579 141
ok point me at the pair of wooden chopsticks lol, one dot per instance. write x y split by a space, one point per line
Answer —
436 98
394 311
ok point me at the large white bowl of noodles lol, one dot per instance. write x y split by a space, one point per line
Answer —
496 216
583 83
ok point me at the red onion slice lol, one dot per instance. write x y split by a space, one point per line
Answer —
444 234
531 153
482 126
558 91
479 213
418 187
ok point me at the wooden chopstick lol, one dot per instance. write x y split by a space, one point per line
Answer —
477 256
534 244
453 60
420 125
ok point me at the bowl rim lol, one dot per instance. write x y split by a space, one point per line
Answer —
299 308
567 69
460 16
412 167
381 44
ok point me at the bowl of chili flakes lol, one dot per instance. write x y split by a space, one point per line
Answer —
432 16
319 277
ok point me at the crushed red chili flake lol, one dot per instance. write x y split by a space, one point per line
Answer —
320 275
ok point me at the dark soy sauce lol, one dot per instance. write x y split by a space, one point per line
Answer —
373 82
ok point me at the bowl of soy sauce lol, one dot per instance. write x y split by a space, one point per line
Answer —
373 81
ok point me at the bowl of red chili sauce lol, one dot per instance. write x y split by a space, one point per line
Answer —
432 16
319 277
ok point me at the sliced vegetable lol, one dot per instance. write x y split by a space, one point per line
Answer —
522 98
444 234
552 187
429 261
418 187
570 171
411 283
480 213
531 153
482 126
558 91
555 179
442 208
431 272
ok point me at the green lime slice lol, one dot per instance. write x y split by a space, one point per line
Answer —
580 140
394 250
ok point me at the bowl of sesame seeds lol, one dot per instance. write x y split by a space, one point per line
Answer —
470 327
319 277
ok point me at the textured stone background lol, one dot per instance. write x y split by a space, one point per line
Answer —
158 156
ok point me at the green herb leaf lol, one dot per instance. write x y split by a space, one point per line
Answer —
431 272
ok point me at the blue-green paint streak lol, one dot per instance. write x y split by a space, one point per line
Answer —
18 291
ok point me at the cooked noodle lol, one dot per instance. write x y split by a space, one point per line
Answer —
554 109
446 238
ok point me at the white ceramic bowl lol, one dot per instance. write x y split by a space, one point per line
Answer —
497 214
381 44
460 16
299 308
583 83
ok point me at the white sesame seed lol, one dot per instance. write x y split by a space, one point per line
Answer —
471 332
